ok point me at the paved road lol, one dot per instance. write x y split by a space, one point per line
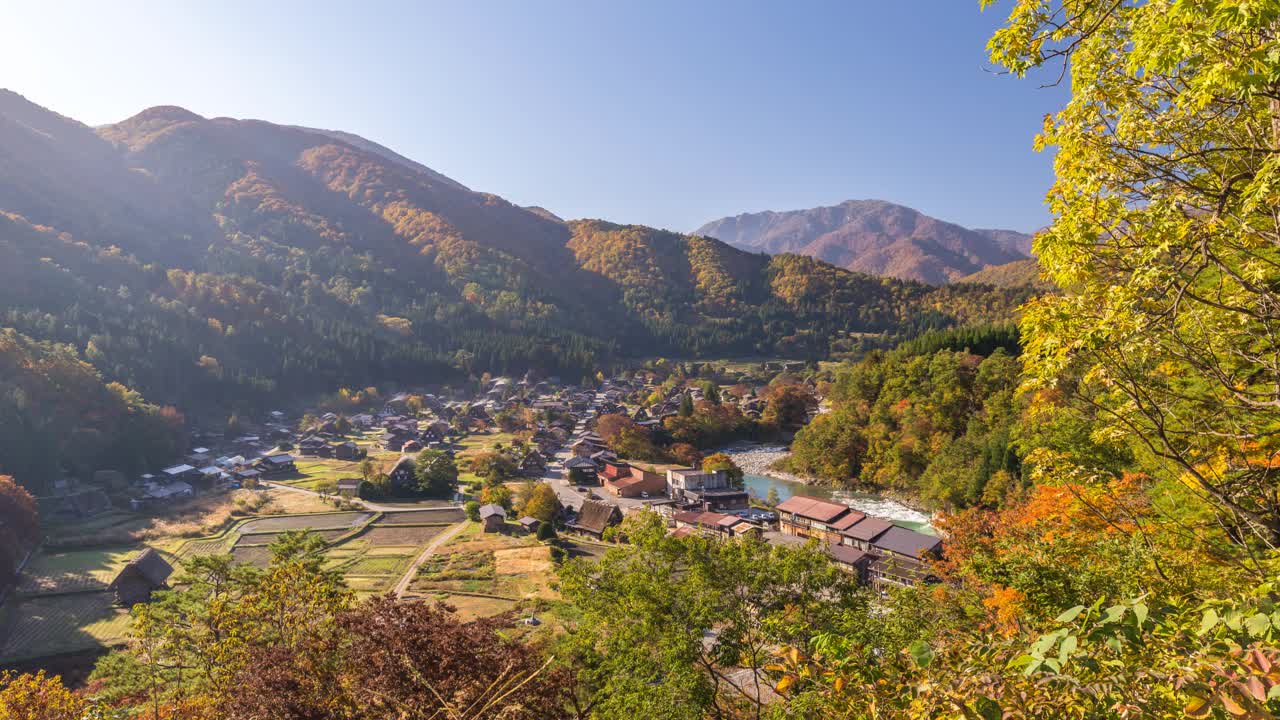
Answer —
569 495
427 552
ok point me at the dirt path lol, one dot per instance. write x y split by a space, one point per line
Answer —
412 572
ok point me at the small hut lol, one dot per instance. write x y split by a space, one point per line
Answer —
144 574
493 517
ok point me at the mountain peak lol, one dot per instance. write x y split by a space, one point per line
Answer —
164 113
877 237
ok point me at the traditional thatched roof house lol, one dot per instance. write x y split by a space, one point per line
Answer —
595 517
404 473
533 464
493 517
144 574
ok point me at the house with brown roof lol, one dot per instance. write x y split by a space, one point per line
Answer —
585 466
852 560
715 525
903 557
639 482
145 574
814 517
596 516
864 533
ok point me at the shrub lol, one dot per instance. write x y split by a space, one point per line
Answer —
546 531
472 508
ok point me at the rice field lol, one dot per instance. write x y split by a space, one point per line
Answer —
402 535
43 626
62 604
72 570
266 538
303 522
447 515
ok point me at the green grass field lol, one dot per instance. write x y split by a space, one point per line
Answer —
44 626
73 570
62 605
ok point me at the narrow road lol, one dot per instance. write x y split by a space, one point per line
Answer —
427 552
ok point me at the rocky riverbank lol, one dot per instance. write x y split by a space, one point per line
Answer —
760 460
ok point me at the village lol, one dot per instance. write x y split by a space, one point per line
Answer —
352 479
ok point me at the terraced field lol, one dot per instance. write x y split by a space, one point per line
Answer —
484 574
72 571
303 522
266 538
62 604
425 517
402 535
57 624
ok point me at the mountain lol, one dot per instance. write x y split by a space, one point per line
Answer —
874 237
1019 273
217 263
1011 240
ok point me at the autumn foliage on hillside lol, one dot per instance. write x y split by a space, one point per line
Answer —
57 415
19 527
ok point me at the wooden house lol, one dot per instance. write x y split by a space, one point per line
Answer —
493 517
145 574
277 465
533 464
595 517
586 466
404 473
348 451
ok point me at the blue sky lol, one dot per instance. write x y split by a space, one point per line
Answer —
662 113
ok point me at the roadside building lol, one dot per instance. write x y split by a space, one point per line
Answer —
812 517
715 525
595 517
403 474
585 466
852 560
863 534
708 491
639 482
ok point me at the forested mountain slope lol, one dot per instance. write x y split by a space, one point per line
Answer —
875 237
222 262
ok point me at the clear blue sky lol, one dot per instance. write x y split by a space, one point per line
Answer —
655 112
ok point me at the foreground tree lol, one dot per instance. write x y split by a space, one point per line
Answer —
38 697
702 620
722 461
1166 237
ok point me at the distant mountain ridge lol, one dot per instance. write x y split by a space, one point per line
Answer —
874 237
214 262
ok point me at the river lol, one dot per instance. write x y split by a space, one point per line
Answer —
756 459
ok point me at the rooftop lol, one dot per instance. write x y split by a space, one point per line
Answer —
908 542
813 508
867 529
